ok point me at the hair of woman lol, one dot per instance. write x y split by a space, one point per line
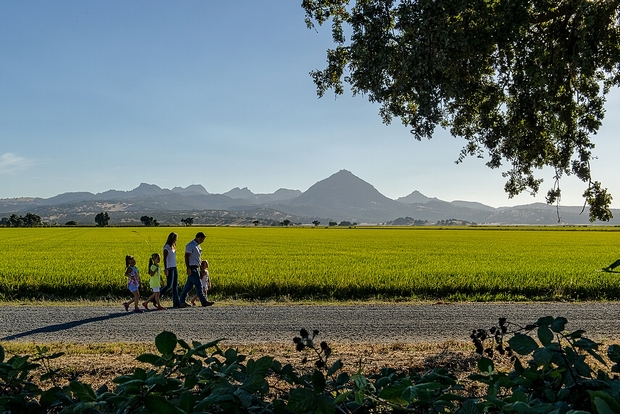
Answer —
172 239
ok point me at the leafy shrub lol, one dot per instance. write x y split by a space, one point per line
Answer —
553 372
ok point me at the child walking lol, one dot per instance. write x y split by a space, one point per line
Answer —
133 283
205 280
155 282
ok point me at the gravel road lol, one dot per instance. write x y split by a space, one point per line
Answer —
409 323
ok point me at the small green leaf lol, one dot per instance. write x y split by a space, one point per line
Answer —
259 367
486 365
318 381
559 324
342 397
83 392
542 356
613 352
393 393
325 404
545 321
604 403
522 344
49 397
244 397
469 407
336 366
577 334
158 405
166 342
301 400
187 400
150 359
545 336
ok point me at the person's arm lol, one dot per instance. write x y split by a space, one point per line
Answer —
165 261
187 255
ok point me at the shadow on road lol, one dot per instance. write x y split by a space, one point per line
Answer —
63 326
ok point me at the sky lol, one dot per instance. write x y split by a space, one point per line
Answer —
107 95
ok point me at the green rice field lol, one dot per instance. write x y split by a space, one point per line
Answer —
377 263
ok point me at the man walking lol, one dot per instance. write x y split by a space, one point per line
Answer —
193 257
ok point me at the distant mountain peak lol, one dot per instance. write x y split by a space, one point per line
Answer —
343 188
237 192
191 189
415 198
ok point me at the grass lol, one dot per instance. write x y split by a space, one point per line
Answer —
318 264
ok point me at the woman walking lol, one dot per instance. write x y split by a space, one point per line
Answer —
170 269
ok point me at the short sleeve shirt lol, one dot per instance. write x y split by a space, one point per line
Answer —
171 257
195 251
155 280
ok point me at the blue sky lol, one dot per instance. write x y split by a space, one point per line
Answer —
106 95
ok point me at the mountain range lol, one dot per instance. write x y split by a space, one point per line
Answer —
340 197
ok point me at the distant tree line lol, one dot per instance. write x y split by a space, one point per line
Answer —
149 221
29 220
407 221
455 222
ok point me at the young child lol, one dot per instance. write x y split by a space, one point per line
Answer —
206 282
133 283
155 281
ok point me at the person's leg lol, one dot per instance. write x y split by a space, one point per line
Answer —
188 287
199 291
136 298
158 300
173 274
146 302
168 285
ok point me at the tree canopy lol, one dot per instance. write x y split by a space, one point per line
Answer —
524 82
102 219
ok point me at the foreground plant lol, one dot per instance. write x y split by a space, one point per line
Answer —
554 371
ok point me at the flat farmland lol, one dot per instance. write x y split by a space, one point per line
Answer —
375 263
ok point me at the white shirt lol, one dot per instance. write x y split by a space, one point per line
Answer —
195 251
171 257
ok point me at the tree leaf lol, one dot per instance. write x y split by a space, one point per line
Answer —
559 324
83 392
486 365
166 342
150 359
604 403
158 405
318 381
613 352
522 344
545 336
545 321
245 398
301 400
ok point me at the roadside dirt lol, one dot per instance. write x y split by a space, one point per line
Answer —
101 342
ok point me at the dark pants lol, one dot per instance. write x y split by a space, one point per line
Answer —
193 281
172 283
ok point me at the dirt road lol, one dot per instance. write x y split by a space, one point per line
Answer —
408 323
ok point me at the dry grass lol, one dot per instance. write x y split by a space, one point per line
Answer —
99 364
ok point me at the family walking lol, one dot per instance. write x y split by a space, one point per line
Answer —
197 276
